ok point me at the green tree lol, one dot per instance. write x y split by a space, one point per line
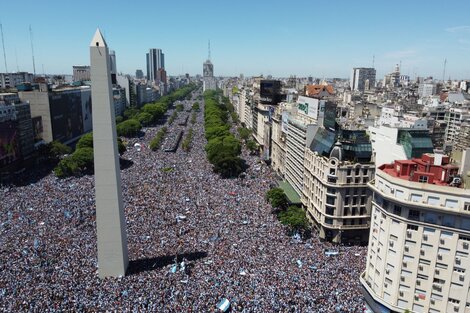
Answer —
252 146
294 217
145 118
217 131
277 198
130 112
244 133
57 149
128 128
86 141
179 107
228 166
119 119
195 106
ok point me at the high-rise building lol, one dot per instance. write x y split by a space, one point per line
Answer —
112 66
10 80
419 242
155 61
362 78
139 74
81 73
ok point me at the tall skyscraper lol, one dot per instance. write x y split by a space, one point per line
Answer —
110 220
155 61
362 78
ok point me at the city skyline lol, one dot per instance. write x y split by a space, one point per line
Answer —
303 39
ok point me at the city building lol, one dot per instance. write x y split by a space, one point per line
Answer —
208 80
390 143
418 253
65 113
16 129
11 80
81 73
155 61
139 74
338 165
426 89
362 78
454 118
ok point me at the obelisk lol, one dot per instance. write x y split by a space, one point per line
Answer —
110 219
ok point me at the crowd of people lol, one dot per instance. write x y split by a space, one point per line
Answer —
193 238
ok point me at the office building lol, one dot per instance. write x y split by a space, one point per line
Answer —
11 80
65 112
139 74
155 61
390 143
208 79
16 129
418 253
362 79
426 89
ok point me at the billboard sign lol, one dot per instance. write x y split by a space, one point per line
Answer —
285 122
308 106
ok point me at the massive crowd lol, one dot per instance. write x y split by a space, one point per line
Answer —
193 239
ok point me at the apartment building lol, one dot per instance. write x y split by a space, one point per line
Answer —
338 167
419 246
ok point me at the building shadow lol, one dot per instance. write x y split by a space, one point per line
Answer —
150 264
125 163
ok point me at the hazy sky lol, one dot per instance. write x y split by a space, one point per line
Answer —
280 38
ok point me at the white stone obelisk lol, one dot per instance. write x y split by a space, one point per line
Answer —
110 219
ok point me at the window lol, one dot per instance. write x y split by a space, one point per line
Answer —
330 200
330 190
363 200
357 171
422 179
330 211
364 171
357 180
412 227
413 215
328 220
416 197
452 204
397 210
348 173
348 180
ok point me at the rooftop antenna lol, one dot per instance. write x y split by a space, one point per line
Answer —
444 71
209 48
4 54
16 57
32 49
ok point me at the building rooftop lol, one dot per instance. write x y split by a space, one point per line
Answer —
431 168
319 90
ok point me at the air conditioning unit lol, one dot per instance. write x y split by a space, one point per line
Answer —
425 237
456 307
401 293
385 285
433 301
416 297
407 249
402 278
391 243
437 271
408 233
457 261
442 241
439 256
404 263
422 252
421 268
461 277
387 271
465 245
392 190
418 283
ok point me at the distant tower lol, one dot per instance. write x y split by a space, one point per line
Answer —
209 82
155 61
110 220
